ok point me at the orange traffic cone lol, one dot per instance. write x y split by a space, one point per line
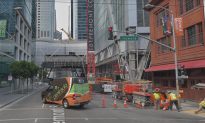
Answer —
103 101
114 103
125 103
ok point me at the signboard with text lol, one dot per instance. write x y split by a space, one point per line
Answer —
128 38
178 22
90 25
90 40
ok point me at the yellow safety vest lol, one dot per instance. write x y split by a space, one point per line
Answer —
173 96
202 103
156 96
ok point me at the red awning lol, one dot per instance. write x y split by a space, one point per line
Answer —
187 65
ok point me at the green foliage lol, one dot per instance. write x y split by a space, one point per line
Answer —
23 69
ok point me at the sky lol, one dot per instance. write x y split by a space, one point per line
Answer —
62 16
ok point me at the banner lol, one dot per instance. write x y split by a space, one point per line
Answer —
178 26
166 24
3 24
90 25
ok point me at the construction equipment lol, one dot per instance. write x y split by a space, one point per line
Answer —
68 34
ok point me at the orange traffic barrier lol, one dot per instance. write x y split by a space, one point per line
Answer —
125 103
103 102
114 103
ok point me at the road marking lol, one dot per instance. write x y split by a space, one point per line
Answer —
20 109
96 118
58 115
43 106
36 120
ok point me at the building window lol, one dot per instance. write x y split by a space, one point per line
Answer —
41 33
47 33
189 4
191 35
186 5
181 6
165 40
200 31
142 16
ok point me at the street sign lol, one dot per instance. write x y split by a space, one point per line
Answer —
183 77
128 38
10 77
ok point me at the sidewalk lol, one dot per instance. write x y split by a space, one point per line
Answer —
189 107
7 97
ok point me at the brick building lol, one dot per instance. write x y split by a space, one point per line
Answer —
190 46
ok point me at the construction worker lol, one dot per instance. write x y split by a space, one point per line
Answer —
201 106
156 97
164 104
173 99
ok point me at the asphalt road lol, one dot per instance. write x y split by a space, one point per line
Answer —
32 110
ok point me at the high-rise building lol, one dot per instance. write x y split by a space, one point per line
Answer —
15 33
33 23
78 19
45 17
120 15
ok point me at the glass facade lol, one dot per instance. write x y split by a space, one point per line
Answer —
9 33
142 16
82 19
103 20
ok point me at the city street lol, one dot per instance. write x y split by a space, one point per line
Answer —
32 110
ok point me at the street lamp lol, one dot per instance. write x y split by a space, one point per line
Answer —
149 7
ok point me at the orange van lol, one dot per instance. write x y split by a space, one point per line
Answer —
68 91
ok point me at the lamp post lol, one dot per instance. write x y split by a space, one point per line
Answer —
149 7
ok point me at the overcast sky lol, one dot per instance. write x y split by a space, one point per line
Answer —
62 16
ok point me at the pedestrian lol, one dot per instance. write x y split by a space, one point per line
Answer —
173 99
156 97
201 106
164 103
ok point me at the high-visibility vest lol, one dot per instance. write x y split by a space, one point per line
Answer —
202 103
173 96
156 96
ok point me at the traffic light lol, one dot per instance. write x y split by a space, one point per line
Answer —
110 33
182 71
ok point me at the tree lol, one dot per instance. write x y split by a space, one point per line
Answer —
23 70
15 70
33 68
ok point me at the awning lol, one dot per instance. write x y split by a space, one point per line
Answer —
187 65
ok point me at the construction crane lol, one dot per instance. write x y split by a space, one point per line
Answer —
68 34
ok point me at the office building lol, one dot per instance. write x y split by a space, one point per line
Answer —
15 33
78 19
45 19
